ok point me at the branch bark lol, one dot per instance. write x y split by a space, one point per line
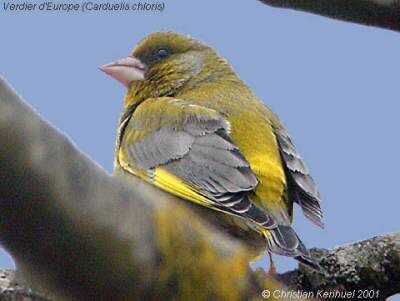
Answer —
78 233
370 267
367 267
379 13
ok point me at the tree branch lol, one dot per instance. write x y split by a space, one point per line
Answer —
10 290
371 265
380 13
81 234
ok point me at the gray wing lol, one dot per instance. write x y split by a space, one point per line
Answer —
201 152
301 186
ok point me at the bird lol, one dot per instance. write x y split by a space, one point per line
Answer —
193 128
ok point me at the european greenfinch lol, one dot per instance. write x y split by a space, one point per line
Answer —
192 128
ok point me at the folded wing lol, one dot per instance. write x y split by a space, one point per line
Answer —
186 149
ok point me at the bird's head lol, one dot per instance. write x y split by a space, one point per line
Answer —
162 64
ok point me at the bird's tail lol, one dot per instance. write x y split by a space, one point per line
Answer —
283 240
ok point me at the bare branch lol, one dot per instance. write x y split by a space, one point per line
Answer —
364 270
379 13
10 290
372 265
79 233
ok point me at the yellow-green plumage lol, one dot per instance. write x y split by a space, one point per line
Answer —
192 107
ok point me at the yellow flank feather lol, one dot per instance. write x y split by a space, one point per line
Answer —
257 142
129 167
167 181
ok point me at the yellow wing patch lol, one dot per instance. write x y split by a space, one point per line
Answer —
171 183
168 182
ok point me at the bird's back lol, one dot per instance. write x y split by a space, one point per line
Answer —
251 126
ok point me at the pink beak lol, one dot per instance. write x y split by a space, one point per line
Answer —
126 70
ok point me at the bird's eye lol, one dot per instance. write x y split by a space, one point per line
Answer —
162 53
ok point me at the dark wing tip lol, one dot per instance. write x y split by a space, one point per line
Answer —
315 219
283 240
311 207
301 186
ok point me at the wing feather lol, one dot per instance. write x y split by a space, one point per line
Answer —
192 155
301 186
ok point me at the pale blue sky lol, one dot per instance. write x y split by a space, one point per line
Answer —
335 85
